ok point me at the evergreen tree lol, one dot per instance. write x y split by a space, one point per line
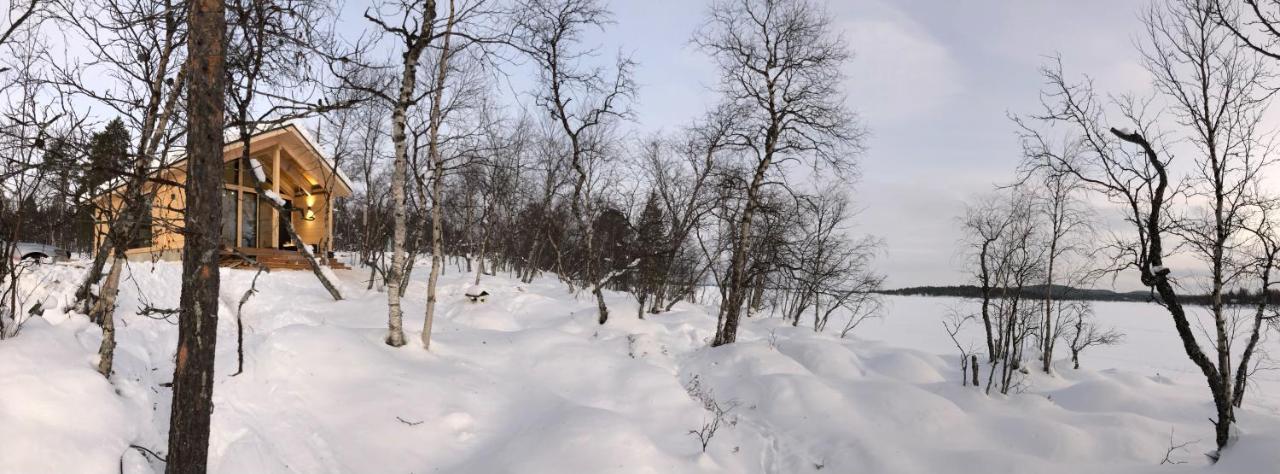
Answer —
610 237
650 248
108 156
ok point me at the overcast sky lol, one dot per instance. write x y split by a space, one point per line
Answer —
933 80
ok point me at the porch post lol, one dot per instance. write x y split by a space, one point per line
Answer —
275 187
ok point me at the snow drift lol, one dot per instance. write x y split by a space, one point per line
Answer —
528 382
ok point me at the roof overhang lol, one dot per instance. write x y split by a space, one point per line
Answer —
299 143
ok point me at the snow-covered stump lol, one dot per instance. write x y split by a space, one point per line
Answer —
476 294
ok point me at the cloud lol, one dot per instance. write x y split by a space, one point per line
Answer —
898 71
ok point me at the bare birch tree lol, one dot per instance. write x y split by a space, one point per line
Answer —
780 63
580 99
1067 227
138 51
437 173
1217 98
412 26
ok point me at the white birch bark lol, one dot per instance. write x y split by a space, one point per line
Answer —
437 182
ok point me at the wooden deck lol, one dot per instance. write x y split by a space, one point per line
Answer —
275 259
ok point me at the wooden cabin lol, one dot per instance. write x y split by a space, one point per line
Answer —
295 169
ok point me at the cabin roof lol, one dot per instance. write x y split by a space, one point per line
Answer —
306 139
303 137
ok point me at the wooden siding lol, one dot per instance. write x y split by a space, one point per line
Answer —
296 174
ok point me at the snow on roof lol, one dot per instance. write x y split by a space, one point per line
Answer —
319 151
176 155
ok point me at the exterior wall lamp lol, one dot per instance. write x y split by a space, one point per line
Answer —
309 215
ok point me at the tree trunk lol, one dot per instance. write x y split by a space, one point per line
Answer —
104 311
287 226
395 316
202 227
1242 372
437 261
437 183
600 306
84 294
985 276
484 244
973 369
731 308
1046 354
757 295
399 177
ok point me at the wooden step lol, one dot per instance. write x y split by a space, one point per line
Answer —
275 259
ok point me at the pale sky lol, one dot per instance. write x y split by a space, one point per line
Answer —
933 81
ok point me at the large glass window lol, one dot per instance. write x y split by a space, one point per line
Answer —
248 219
229 218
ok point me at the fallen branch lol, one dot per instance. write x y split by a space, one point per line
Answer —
164 313
253 288
149 452
1172 449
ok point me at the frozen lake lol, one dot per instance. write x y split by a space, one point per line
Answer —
1150 346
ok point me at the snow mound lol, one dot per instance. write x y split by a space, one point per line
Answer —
532 384
573 439
57 414
908 367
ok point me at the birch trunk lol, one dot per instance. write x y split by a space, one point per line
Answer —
1046 355
155 119
484 242
731 308
437 182
104 311
405 99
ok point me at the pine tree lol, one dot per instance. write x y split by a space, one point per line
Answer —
192 406
108 156
651 247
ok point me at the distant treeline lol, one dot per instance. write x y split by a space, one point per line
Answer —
1239 296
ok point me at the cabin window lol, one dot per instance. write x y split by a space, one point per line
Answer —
248 219
229 218
231 172
239 172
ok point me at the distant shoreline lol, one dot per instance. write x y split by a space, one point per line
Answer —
1060 292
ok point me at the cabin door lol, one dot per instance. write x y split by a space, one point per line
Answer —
283 240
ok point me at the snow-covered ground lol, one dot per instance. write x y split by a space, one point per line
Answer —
528 382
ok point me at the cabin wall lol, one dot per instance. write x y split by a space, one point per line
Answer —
166 221
313 232
102 217
297 174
